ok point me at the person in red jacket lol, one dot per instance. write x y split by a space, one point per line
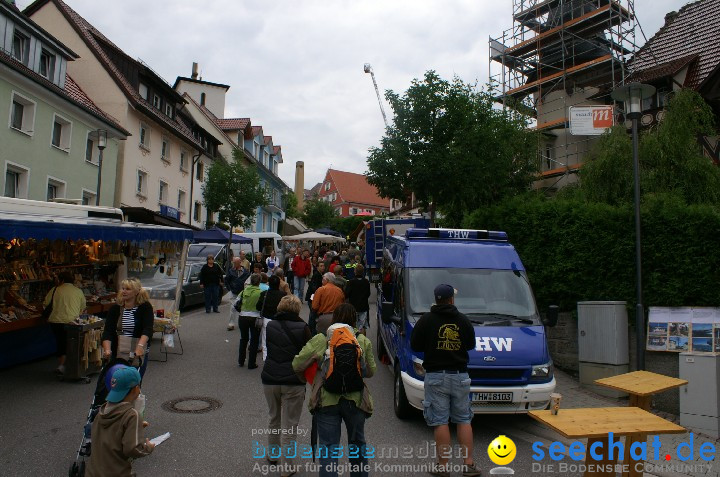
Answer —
302 268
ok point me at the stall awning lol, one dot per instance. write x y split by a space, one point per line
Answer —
217 235
63 229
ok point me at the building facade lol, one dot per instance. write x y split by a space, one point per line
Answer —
351 194
50 143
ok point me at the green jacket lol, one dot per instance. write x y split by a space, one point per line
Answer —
314 350
250 296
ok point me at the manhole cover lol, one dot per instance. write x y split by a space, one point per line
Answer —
192 405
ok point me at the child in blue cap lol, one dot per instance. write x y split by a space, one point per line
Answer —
117 431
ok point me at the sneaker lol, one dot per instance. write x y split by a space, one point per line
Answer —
230 327
252 366
439 470
470 471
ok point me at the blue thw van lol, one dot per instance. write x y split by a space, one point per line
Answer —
510 367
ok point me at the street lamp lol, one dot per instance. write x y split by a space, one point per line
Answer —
102 143
633 95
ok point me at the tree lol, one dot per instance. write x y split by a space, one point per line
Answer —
234 190
452 148
671 160
289 199
318 213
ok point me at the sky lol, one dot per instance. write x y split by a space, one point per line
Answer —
295 67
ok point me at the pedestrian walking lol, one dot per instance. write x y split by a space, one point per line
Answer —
287 268
287 333
235 282
249 333
267 306
313 285
357 292
67 302
211 276
272 262
301 268
284 286
326 299
445 335
259 260
330 408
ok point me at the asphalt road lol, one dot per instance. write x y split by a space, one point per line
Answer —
41 419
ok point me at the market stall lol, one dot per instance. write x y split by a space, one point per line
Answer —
100 253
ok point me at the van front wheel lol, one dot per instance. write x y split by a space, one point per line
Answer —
403 410
382 352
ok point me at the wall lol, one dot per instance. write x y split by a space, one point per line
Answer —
214 96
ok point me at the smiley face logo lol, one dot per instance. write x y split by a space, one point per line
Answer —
502 450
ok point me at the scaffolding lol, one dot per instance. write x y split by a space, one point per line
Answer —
561 53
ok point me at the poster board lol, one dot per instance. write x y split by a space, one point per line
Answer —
683 329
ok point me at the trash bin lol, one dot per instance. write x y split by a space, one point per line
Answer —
84 350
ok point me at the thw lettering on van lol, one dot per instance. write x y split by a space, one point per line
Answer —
459 233
449 337
501 344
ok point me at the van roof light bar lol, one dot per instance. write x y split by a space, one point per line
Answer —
456 234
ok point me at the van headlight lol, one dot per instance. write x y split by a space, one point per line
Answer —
162 294
542 372
418 366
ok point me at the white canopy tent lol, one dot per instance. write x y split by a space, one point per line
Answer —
312 237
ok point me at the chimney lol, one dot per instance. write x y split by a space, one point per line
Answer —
194 71
669 17
300 183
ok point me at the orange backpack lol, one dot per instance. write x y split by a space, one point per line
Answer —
344 371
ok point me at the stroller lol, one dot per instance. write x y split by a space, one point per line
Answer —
102 388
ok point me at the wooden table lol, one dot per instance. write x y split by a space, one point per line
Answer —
641 385
596 423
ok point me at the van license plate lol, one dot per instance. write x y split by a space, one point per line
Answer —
492 397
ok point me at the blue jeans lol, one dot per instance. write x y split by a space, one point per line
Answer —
212 297
299 283
447 398
329 420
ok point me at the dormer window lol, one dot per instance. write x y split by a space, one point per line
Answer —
169 110
202 99
21 47
156 101
143 90
47 65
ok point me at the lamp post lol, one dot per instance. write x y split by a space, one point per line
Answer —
633 95
102 143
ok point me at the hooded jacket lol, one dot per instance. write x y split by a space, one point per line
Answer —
117 437
445 335
283 343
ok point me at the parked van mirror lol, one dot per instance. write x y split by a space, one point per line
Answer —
387 312
552 316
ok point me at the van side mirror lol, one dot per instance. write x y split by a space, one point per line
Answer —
387 312
551 318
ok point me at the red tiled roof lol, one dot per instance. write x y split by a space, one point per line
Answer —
669 68
232 124
71 92
257 131
354 188
97 42
695 30
267 140
276 150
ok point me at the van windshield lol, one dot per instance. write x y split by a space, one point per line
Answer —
203 250
480 292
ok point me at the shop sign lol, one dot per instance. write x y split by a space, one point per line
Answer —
171 212
590 120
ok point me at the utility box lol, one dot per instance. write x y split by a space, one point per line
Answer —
699 407
602 343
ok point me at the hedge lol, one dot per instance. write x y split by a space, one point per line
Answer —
577 251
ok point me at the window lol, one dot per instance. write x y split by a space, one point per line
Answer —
327 186
156 101
144 137
256 150
181 201
197 210
61 132
200 172
143 90
353 211
141 183
22 114
47 65
16 181
55 188
183 161
165 150
202 99
88 198
169 110
21 47
163 193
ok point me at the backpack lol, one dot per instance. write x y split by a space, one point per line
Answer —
344 362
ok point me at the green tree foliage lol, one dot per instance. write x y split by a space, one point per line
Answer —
671 160
234 190
452 148
318 213
289 199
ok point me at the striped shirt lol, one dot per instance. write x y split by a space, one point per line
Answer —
128 321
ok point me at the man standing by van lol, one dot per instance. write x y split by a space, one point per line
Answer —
445 336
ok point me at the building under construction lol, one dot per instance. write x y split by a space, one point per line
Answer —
558 54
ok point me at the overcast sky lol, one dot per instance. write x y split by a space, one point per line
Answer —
295 67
